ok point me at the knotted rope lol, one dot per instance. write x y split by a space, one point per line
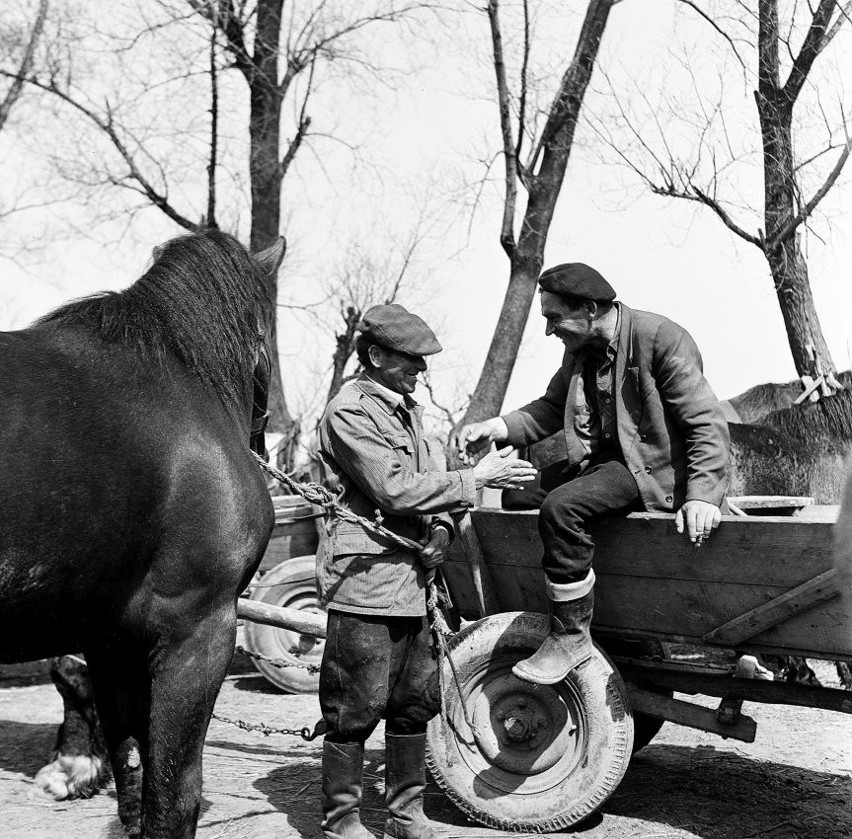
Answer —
322 497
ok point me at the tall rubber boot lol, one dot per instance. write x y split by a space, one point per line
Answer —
405 780
342 778
569 644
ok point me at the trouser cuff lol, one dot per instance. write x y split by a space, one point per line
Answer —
563 592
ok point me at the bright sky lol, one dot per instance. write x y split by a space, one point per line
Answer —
424 139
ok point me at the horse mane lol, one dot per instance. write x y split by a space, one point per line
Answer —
203 300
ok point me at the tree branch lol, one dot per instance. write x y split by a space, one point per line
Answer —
804 214
107 126
19 78
507 228
811 48
719 29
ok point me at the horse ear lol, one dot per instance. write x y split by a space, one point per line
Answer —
271 258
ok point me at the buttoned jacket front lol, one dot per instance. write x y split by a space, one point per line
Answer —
376 448
671 429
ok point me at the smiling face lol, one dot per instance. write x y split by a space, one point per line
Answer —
395 370
571 324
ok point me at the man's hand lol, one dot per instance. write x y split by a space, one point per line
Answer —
500 471
474 439
432 552
701 519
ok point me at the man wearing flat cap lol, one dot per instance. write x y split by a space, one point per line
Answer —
378 660
643 430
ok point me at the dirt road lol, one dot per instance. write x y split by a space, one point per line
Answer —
792 783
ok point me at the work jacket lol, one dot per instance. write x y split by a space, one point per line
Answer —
375 446
671 429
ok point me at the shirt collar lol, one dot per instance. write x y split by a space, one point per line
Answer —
390 399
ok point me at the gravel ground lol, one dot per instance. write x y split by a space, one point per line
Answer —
792 783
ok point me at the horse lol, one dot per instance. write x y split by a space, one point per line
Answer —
133 512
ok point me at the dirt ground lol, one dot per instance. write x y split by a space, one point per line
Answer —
792 783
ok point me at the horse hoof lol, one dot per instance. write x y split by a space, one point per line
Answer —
72 776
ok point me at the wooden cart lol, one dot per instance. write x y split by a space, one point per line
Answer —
533 758
536 758
288 580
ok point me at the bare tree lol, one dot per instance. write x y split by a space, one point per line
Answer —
784 55
541 175
280 52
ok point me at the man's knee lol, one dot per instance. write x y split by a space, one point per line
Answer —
563 505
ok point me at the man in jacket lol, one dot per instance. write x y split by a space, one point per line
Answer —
643 430
378 660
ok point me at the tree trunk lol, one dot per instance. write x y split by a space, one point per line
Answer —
265 177
786 260
544 189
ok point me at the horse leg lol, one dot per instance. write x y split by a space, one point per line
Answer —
844 673
121 685
80 761
187 676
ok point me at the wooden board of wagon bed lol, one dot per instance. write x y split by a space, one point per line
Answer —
760 584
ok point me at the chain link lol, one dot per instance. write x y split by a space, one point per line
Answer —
305 733
281 663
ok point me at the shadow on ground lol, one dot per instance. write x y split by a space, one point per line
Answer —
718 794
699 790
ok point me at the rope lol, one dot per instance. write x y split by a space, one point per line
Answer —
319 495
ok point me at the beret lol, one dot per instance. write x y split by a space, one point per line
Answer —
392 326
574 279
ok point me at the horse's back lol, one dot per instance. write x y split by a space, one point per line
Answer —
118 477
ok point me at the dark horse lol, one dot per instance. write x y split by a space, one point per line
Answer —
133 513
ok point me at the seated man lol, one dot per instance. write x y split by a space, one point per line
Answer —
643 430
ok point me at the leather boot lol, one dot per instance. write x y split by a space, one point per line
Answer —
405 780
342 777
567 646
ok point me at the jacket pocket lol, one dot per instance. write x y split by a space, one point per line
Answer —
347 538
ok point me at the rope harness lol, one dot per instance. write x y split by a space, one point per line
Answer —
322 497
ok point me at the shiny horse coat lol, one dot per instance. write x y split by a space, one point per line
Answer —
132 513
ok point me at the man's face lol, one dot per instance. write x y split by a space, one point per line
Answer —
397 371
572 326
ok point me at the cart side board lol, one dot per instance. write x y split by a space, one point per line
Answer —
651 581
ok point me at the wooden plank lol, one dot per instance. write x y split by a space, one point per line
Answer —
296 620
770 502
667 675
648 545
651 582
488 601
693 716
816 590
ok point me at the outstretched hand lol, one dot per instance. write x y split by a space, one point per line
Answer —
473 440
499 470
699 519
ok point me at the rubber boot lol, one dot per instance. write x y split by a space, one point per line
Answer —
342 777
405 780
567 646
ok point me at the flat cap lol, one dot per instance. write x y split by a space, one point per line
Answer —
394 327
574 279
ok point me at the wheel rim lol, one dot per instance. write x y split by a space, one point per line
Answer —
537 733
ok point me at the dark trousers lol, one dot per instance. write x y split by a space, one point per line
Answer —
375 667
571 502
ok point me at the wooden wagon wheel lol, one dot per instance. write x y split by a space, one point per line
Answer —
543 757
292 584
